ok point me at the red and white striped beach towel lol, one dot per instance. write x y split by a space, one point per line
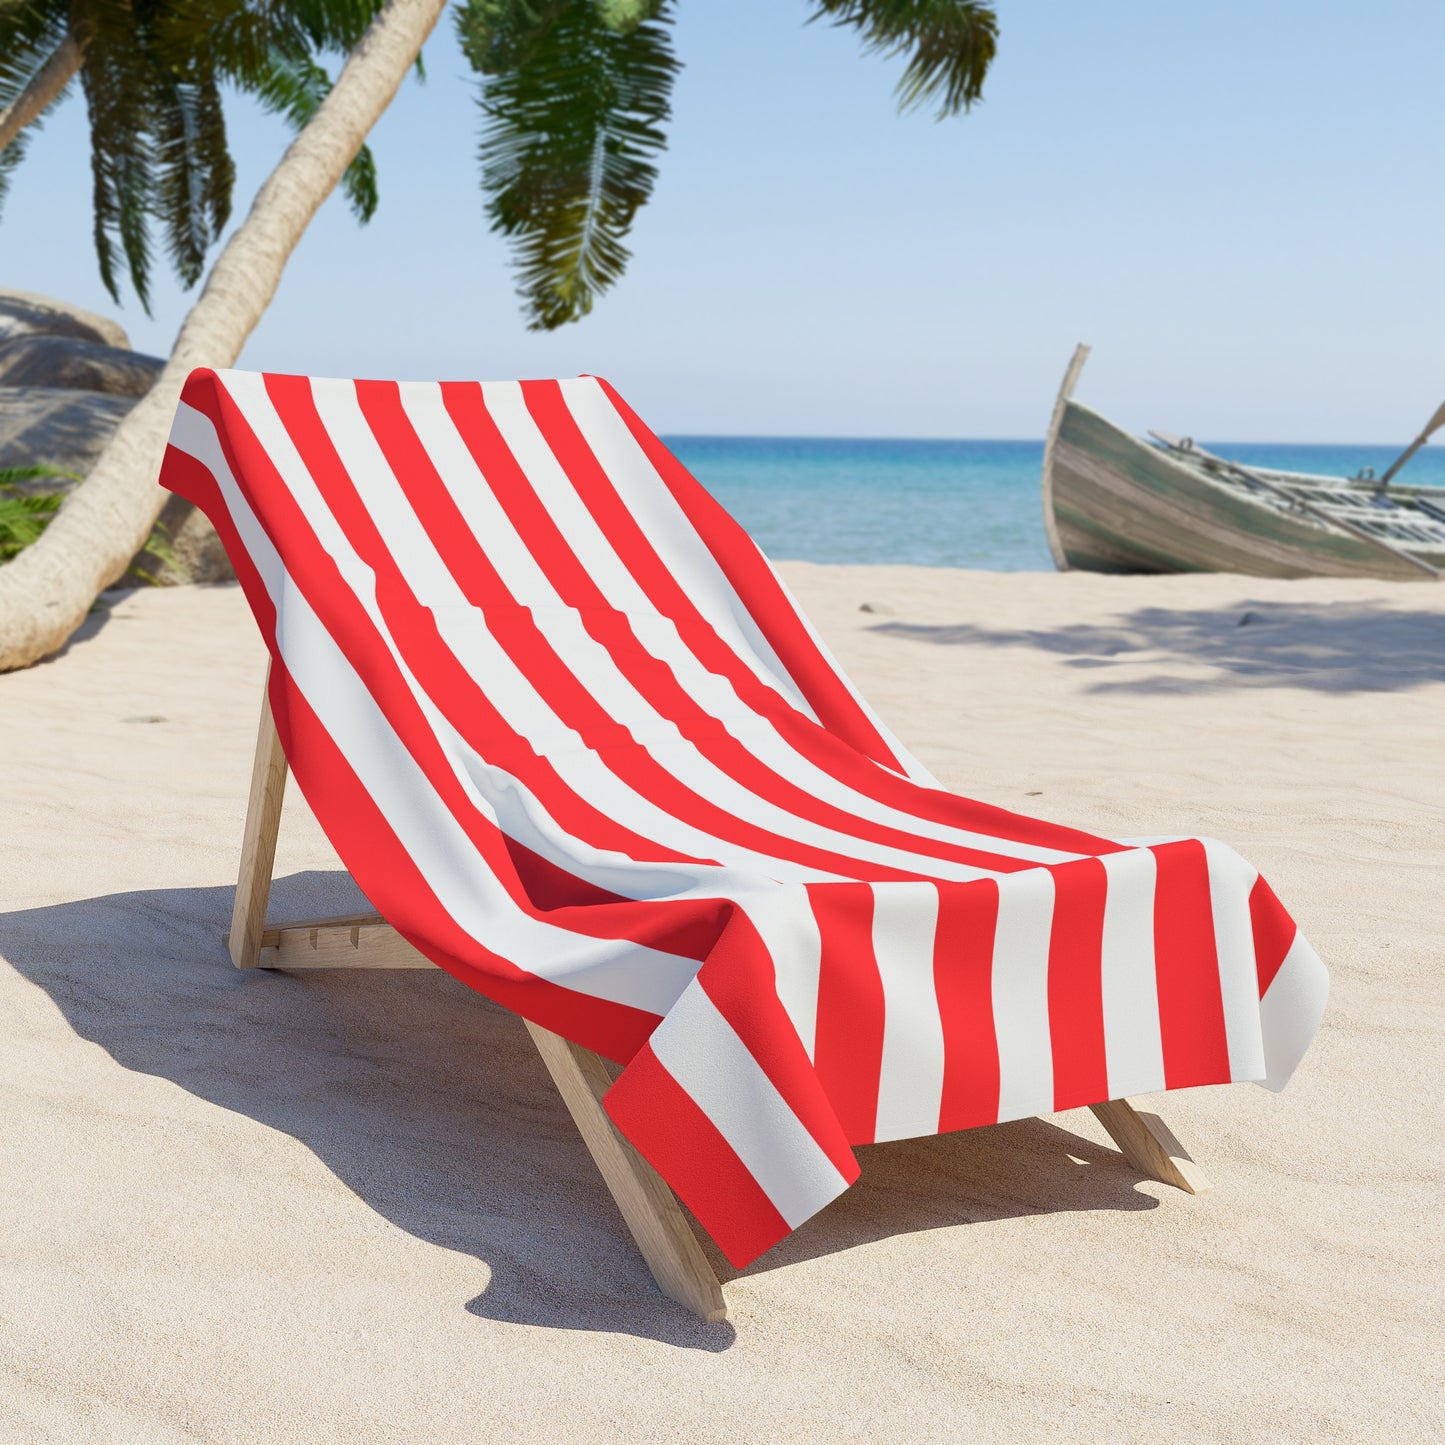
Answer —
577 744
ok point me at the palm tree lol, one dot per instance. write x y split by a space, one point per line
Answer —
152 76
574 93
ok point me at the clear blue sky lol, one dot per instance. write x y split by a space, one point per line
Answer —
1238 203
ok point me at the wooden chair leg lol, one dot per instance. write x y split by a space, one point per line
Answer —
1148 1143
649 1207
258 850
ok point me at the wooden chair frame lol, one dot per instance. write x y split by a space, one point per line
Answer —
648 1206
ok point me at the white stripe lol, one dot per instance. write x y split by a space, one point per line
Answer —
677 544
908 765
1021 994
784 918
464 885
593 667
1291 1010
650 501
464 629
660 637
1133 1049
1230 882
910 1081
713 1066
671 531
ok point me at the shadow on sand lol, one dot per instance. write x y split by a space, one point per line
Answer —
430 1103
1322 647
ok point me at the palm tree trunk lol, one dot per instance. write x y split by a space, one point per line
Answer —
45 85
47 590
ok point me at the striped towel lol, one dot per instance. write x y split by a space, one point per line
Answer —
577 744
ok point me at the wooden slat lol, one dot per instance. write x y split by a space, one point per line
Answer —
1148 1143
1066 390
362 942
648 1206
258 847
1282 492
1124 506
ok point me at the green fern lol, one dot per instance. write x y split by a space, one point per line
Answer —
25 515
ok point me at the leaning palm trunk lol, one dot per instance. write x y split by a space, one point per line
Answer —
47 590
48 82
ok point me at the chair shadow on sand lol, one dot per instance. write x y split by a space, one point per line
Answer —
430 1104
1338 647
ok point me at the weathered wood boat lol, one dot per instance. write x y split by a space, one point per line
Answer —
1116 503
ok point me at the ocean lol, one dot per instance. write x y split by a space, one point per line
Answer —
935 503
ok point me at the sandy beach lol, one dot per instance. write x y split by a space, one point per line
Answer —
340 1207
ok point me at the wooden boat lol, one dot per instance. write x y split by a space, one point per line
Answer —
1116 503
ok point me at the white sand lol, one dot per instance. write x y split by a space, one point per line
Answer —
260 1208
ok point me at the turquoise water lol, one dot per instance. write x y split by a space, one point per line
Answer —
935 503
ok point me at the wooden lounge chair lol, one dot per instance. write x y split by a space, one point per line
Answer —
658 1225
578 746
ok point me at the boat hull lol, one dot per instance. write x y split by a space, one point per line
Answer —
1116 504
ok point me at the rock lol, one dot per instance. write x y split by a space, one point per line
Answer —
67 361
22 313
67 377
69 429
58 426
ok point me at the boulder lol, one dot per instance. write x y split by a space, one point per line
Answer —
58 426
69 429
23 313
67 361
67 377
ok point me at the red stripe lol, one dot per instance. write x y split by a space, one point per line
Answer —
1076 993
314 572
757 586
848 1049
654 680
668 1129
740 978
1191 1009
361 834
1274 933
460 696
566 694
397 888
963 982
841 752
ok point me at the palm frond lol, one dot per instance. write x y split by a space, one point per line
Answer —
332 24
294 85
29 35
574 96
268 49
950 45
194 173
117 76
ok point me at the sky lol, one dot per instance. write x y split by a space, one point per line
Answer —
1237 204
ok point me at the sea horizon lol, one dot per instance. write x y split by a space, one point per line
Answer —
971 502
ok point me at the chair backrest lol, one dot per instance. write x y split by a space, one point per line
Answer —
576 743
